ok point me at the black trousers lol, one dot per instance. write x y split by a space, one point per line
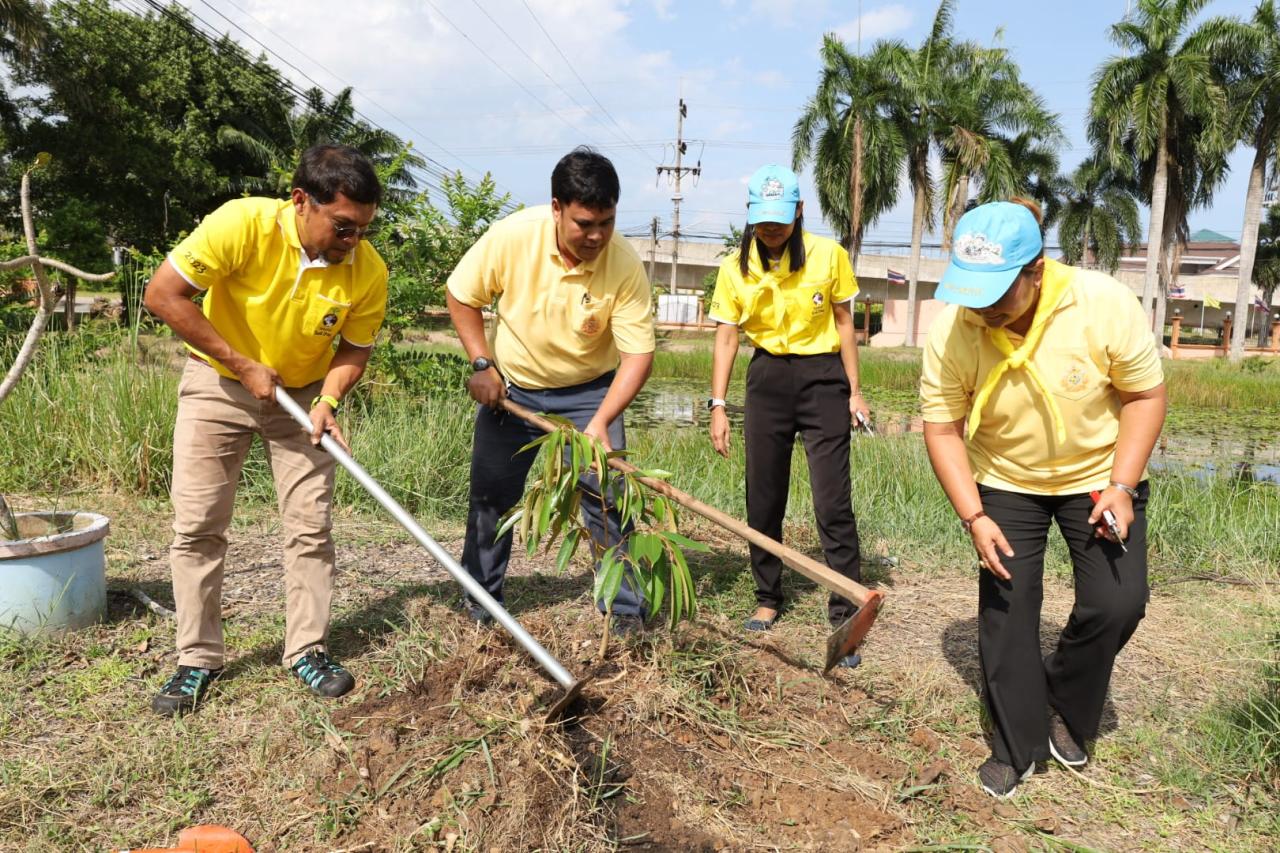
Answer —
1111 598
807 394
499 470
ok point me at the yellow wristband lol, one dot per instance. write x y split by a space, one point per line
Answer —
325 398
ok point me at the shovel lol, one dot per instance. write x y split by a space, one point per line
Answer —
206 838
572 686
845 639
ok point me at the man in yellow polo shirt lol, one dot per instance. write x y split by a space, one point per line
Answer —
282 281
574 337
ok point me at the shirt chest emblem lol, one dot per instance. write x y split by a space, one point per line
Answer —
1074 377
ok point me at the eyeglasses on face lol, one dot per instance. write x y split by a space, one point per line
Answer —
345 232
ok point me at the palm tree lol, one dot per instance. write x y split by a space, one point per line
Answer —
22 28
990 112
321 121
1099 216
1248 56
1266 268
1162 91
859 151
1034 172
927 86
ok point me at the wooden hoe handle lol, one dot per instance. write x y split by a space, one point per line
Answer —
807 566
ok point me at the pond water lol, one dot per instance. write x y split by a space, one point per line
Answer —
1208 442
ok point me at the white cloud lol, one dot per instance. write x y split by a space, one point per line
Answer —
662 8
876 24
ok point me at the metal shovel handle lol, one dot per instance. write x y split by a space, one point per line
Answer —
477 593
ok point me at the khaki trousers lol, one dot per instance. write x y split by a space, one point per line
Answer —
217 420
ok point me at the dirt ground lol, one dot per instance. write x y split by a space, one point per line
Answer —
699 738
695 739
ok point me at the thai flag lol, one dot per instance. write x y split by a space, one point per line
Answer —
895 277
1260 305
1177 292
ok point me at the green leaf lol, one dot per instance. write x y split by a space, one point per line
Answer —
567 549
609 578
42 159
654 474
512 519
684 541
645 546
656 591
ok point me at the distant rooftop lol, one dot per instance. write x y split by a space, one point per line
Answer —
1204 235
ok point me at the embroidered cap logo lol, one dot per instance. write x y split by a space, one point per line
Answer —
771 190
975 248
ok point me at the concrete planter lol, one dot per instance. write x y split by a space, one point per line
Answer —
54 578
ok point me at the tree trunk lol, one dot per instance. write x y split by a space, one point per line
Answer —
1155 231
1084 247
855 194
1170 261
69 305
1248 250
44 310
955 209
913 276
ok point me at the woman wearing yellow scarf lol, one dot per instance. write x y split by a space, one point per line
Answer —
1056 373
790 293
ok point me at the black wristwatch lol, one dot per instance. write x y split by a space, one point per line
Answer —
481 363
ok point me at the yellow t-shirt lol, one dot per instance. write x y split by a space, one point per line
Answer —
783 312
1096 342
268 300
556 326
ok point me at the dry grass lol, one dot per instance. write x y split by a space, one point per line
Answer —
699 739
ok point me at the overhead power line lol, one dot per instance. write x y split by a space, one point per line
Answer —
412 130
583 83
430 176
507 72
547 74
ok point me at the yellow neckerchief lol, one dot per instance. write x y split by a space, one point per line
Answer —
1053 286
775 317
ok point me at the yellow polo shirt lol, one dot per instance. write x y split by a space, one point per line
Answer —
1096 342
556 326
783 312
268 300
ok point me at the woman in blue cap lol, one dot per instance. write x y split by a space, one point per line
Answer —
1042 395
790 293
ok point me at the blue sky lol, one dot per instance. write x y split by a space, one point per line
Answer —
484 85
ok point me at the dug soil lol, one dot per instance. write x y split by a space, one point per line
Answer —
700 737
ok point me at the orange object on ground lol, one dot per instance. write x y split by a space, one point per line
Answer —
206 838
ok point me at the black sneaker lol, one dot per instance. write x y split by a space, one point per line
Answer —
1063 746
478 615
324 675
1000 780
625 627
184 691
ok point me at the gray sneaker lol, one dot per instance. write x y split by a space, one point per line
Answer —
1063 746
1000 780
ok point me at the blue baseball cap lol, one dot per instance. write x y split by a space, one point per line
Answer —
772 195
992 243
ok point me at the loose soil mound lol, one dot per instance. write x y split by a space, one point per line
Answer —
713 745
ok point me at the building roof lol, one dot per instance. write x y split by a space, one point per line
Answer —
1204 235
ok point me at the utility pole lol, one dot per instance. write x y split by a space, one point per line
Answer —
653 246
679 171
